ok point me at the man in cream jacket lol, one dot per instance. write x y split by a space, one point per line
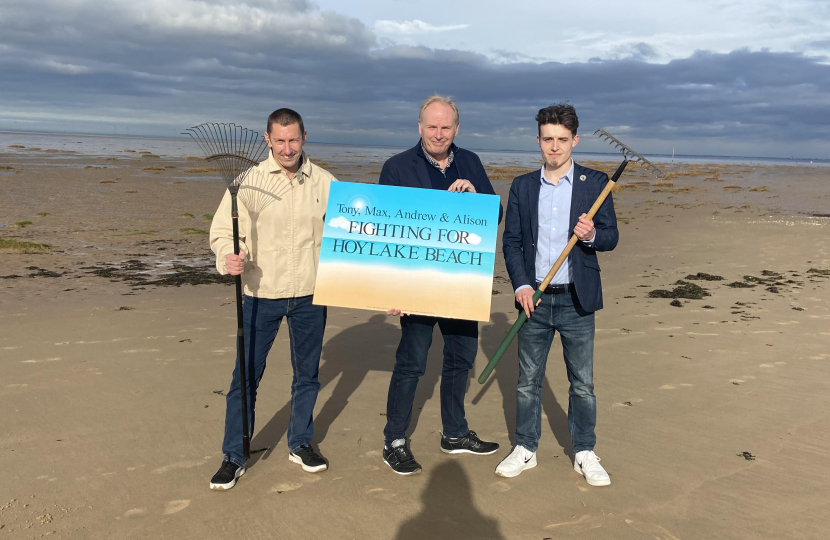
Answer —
282 203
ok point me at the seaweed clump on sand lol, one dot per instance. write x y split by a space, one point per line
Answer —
42 272
703 276
126 271
683 289
192 275
819 272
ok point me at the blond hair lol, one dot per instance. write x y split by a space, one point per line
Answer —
438 99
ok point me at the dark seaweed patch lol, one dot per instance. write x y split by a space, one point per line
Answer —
702 276
192 275
684 289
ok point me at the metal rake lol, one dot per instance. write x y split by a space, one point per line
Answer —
235 151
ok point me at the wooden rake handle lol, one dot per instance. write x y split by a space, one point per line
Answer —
508 339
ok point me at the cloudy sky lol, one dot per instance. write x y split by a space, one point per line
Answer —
719 77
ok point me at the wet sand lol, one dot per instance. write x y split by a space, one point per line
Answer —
712 416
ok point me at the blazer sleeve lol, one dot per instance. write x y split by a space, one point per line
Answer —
512 242
481 182
605 222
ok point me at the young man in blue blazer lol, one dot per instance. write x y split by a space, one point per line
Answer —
434 163
544 209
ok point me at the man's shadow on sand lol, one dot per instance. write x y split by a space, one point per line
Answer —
506 375
448 510
351 355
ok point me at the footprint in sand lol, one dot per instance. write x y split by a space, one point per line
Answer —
656 531
291 486
381 493
500 487
179 465
284 486
175 506
581 524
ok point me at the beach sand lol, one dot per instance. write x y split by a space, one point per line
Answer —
457 295
713 417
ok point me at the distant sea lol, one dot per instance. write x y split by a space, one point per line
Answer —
96 145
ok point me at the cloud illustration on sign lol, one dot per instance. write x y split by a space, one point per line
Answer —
474 239
340 223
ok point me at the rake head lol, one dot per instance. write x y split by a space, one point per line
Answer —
233 149
627 152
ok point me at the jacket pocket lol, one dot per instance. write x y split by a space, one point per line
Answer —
591 262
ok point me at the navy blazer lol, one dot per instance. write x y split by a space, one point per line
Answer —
408 169
521 228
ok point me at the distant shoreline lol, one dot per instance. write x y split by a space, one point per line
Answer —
661 158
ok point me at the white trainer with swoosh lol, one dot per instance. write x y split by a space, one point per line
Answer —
587 464
518 460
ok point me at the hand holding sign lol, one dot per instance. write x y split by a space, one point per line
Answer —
462 185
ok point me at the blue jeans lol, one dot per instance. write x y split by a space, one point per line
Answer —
460 347
262 318
560 312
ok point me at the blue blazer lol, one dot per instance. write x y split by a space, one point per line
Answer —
521 226
408 169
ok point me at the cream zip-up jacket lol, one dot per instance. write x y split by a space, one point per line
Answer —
280 228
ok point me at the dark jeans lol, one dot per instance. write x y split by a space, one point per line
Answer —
306 323
576 327
460 347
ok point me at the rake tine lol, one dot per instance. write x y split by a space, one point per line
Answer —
627 151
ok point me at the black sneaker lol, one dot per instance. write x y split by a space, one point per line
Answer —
226 476
469 444
401 460
308 459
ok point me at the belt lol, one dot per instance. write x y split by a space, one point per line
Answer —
557 289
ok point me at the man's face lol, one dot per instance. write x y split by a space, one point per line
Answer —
286 143
556 142
438 128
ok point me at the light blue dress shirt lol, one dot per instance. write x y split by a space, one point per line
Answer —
554 223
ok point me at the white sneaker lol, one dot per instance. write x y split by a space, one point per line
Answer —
518 460
587 464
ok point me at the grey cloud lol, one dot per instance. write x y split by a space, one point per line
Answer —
156 80
637 51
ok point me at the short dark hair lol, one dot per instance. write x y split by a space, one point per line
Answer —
562 114
285 117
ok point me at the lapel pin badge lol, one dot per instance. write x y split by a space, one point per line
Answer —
582 177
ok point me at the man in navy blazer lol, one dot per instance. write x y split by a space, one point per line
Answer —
544 209
434 163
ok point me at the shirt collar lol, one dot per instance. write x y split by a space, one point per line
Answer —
568 175
433 162
274 167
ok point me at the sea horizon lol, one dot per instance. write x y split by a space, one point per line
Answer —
497 154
